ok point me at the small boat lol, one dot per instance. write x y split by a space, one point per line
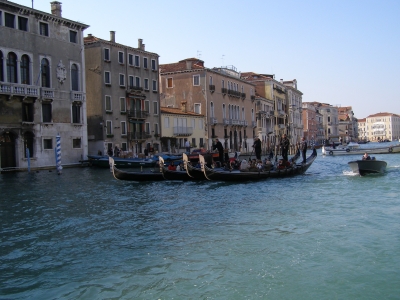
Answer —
143 175
355 149
174 175
103 162
238 175
363 167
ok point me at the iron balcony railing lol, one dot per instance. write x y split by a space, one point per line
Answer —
138 135
180 130
138 114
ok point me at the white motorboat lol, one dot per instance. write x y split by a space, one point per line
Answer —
355 149
363 167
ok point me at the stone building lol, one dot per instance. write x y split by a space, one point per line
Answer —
330 120
122 96
42 87
220 94
348 130
382 126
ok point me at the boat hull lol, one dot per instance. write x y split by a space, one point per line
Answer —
364 167
360 151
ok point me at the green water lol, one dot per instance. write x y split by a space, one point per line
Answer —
84 235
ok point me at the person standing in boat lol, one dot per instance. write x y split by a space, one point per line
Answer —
366 156
303 147
187 146
257 147
218 146
285 143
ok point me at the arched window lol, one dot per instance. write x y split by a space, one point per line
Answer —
1 67
212 110
25 78
74 77
28 143
45 73
12 68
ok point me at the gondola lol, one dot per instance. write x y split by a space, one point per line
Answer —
143 175
173 175
193 172
237 175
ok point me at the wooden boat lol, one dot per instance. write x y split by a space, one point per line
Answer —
355 149
192 171
103 162
237 175
173 175
143 175
363 167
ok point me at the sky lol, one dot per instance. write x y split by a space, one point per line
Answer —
343 52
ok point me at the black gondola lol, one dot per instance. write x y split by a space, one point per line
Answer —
237 175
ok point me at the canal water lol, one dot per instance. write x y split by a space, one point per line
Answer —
327 234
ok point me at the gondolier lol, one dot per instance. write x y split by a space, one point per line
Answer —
218 146
285 143
303 147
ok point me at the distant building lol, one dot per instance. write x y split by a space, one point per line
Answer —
179 125
330 120
220 94
362 129
42 87
382 126
122 96
348 130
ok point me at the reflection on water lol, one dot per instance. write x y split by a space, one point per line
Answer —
85 235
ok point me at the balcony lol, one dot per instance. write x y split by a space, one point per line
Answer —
253 124
13 89
183 131
245 123
138 136
243 95
47 93
226 121
138 114
213 121
135 88
77 96
223 91
235 122
212 88
252 97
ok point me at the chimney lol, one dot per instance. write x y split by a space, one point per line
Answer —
183 106
188 64
140 44
56 8
281 80
90 35
112 36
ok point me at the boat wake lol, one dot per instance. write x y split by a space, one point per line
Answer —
350 173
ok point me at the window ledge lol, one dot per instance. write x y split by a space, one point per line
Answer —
107 60
109 112
108 84
123 112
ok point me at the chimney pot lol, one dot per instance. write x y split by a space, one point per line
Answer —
112 36
56 8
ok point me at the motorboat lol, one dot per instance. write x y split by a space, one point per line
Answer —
355 149
363 167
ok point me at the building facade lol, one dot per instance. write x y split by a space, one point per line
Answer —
122 96
226 100
42 87
382 126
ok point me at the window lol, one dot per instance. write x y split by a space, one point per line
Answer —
45 73
123 128
131 81
146 84
124 146
12 68
122 104
44 29
121 79
196 79
27 112
130 59
25 77
201 142
211 80
193 123
156 131
9 20
106 54
76 113
47 144
74 77
76 143
108 103
46 112
108 127
107 78
147 128
193 142
1 63
145 63
22 23
153 65
166 122
197 108
200 124
223 84
169 82
73 36
155 106
120 57
137 83
147 106
137 61
154 85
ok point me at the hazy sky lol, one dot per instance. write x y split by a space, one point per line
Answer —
341 52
